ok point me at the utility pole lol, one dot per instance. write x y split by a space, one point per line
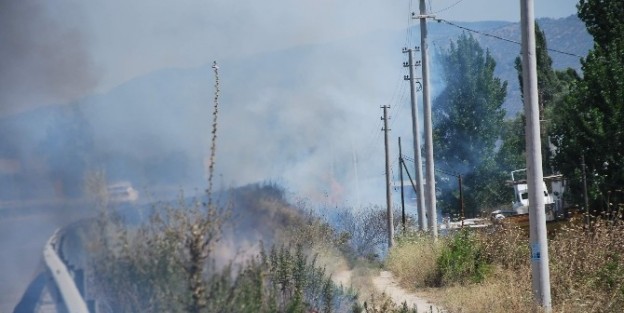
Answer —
461 201
401 178
585 197
535 176
424 48
388 191
409 177
420 200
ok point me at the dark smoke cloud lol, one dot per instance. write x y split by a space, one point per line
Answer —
43 56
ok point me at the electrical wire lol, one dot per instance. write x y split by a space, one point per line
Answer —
399 106
408 30
437 169
498 37
448 7
374 134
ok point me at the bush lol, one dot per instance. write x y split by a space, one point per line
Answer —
414 258
364 231
152 270
462 259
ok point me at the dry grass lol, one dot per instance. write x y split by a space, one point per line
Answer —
503 291
586 270
414 259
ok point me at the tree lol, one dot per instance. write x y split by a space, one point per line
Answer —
589 121
552 87
468 118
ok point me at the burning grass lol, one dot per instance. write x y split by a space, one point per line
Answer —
152 268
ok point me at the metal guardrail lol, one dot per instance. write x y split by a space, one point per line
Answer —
62 277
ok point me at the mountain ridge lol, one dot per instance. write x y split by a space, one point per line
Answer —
287 113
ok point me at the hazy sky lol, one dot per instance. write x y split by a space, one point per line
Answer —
56 52
52 52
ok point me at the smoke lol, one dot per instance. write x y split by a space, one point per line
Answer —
43 55
44 60
307 108
146 35
300 97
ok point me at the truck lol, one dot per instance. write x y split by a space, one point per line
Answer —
554 188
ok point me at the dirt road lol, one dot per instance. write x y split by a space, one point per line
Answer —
385 283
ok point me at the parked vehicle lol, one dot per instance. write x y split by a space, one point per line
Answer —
553 200
122 192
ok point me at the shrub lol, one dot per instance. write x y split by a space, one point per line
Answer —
462 259
413 258
150 270
364 231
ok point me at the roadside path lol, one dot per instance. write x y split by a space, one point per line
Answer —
386 283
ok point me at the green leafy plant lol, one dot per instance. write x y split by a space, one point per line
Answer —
462 260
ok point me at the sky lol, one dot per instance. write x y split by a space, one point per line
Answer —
53 52
311 117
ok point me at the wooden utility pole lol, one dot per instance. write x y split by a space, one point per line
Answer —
390 225
420 200
535 176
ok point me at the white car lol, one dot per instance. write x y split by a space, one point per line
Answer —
122 192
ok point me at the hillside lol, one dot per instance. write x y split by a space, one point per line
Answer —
566 35
154 129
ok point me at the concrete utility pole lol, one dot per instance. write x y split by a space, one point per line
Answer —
390 225
420 199
585 196
401 178
430 193
535 176
461 201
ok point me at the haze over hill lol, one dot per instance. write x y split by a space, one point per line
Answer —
306 117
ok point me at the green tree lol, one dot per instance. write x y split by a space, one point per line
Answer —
589 121
552 87
511 153
468 117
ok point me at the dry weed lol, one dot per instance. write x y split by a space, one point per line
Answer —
586 270
414 259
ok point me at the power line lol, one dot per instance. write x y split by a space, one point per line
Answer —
498 37
408 31
374 134
400 104
437 169
448 7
